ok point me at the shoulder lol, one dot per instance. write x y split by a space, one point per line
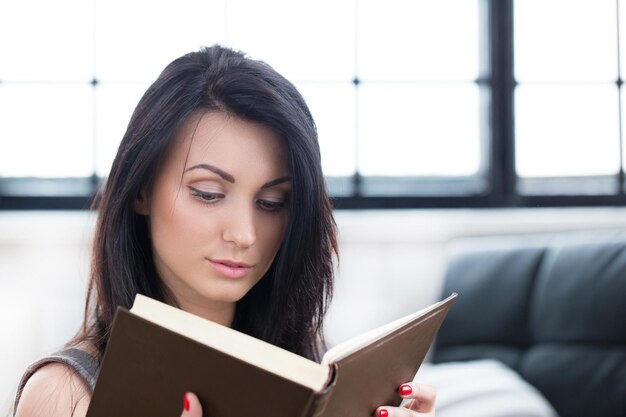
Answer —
54 390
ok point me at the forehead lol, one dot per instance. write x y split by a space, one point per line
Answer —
230 143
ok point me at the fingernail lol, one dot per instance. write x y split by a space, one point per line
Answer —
383 413
186 403
405 389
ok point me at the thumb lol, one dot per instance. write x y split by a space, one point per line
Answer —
191 406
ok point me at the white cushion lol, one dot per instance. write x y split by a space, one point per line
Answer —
482 388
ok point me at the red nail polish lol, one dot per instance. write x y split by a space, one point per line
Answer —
186 403
383 413
405 389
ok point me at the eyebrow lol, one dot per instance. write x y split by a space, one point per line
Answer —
225 175
276 182
228 177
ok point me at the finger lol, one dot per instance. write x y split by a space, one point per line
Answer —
388 411
423 396
191 406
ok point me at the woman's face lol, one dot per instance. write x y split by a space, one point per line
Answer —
218 209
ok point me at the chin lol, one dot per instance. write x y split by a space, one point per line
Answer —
226 295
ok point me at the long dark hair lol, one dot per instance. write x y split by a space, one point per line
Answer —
287 306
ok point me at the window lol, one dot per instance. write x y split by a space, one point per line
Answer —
419 103
567 104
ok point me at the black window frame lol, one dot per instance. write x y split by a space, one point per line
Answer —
497 78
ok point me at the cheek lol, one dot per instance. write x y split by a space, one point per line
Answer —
176 226
274 233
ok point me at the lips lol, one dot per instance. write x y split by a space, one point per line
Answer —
229 268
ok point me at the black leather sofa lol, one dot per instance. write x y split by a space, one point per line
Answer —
553 308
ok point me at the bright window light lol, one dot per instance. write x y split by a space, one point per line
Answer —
49 132
424 130
568 130
565 40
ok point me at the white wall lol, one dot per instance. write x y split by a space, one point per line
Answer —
392 263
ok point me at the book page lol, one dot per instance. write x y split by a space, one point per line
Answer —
242 346
353 344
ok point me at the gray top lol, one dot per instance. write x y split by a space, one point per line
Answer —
86 367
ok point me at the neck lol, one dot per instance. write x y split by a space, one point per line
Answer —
222 312
218 311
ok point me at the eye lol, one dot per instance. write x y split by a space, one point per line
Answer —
205 196
268 205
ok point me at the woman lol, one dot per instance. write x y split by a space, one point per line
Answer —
216 204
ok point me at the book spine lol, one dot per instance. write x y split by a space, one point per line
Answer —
318 404
319 400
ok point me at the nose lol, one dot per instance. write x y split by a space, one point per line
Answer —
240 227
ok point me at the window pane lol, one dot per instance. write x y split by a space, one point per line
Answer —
418 40
566 130
46 130
303 40
114 104
43 40
332 106
565 40
408 129
136 39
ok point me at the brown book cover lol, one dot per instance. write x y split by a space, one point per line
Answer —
151 361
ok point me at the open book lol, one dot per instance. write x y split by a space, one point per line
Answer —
156 353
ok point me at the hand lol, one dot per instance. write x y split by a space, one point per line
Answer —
191 406
421 402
